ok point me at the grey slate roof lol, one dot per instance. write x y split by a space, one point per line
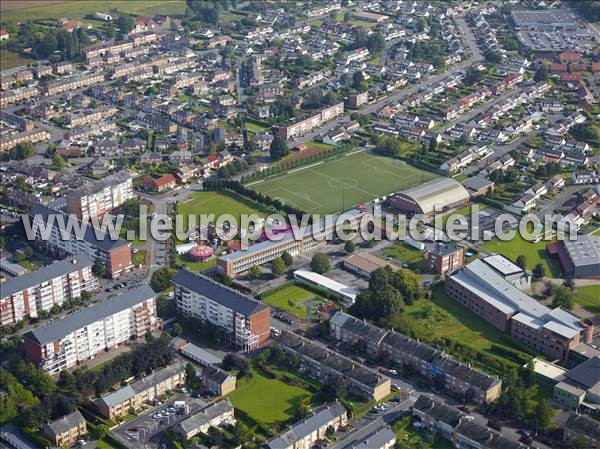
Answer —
123 394
473 431
501 442
366 331
583 425
380 438
321 416
55 330
65 423
586 373
44 274
584 251
93 236
204 416
96 186
218 292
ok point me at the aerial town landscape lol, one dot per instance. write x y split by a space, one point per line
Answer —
354 224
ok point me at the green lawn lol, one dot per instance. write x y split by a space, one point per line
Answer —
28 265
139 258
292 299
404 253
342 183
534 252
254 126
265 400
588 297
185 261
102 444
9 60
441 316
596 232
218 203
77 10
413 438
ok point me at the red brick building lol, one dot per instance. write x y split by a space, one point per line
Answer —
165 182
446 258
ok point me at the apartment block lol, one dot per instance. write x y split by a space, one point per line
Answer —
62 344
215 415
458 379
307 124
121 402
66 430
49 226
26 295
245 321
306 432
326 366
96 198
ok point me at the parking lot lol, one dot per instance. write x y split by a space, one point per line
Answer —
137 432
580 40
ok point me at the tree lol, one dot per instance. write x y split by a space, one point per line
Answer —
278 267
99 431
125 23
254 272
99 268
358 81
176 330
541 74
493 56
23 150
320 263
164 307
278 148
548 289
530 373
539 271
521 261
28 251
473 75
563 297
349 246
161 279
287 258
543 415
58 163
347 17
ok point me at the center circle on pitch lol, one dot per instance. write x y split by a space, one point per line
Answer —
343 183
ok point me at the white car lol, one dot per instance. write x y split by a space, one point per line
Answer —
393 372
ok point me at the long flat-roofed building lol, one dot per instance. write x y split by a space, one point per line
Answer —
484 291
347 295
246 322
579 258
441 193
48 225
64 343
96 198
26 295
265 251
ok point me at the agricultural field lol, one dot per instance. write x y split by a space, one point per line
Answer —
339 184
292 299
77 10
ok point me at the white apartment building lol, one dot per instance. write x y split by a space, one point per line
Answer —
245 321
80 336
98 197
26 295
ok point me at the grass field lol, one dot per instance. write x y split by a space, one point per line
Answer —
404 253
139 258
534 253
77 10
267 400
185 261
588 297
9 59
218 203
441 316
292 299
413 438
340 184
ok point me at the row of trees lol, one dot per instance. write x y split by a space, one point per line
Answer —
239 188
68 44
387 294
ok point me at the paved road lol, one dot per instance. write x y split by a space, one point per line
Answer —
389 417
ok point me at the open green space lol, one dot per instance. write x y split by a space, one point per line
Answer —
534 253
339 184
77 10
218 203
139 258
588 297
185 261
254 126
409 437
442 317
103 444
404 253
292 298
267 400
596 232
9 60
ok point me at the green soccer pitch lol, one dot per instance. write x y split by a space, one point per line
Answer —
339 184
